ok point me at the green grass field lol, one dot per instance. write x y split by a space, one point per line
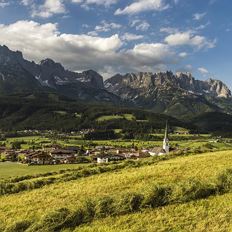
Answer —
10 169
210 214
128 117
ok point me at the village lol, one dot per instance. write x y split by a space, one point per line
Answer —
57 154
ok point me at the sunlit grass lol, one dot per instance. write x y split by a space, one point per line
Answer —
128 117
35 203
213 214
9 169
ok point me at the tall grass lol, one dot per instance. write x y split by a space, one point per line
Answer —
128 190
158 196
29 182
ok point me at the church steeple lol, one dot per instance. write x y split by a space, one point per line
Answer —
166 140
166 131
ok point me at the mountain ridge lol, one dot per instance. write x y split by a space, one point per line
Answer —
179 95
164 92
49 74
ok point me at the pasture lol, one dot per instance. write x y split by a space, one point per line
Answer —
11 169
30 207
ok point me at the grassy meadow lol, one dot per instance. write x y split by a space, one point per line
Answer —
207 210
10 169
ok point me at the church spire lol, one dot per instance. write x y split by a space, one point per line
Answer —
166 140
166 131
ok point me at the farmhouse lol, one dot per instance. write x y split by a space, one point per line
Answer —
38 157
63 156
105 158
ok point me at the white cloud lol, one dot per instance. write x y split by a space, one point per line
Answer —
199 16
203 26
169 30
140 25
85 3
106 26
4 3
203 70
81 52
189 38
131 37
27 2
47 9
183 54
92 33
139 6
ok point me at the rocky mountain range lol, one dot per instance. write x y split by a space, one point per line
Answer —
176 94
179 95
20 75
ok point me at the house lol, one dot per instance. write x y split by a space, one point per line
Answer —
105 158
39 158
157 151
102 159
63 156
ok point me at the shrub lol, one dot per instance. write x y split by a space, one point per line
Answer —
72 220
224 181
158 196
192 190
90 211
52 221
20 226
131 202
105 207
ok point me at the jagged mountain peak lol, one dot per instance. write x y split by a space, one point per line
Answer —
184 75
178 94
51 64
165 92
161 80
7 56
47 62
20 75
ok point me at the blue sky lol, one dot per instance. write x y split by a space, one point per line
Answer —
114 36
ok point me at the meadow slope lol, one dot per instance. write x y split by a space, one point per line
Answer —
213 213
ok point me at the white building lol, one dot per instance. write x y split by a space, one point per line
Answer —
165 149
101 160
166 140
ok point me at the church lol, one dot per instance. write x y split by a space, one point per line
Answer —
162 150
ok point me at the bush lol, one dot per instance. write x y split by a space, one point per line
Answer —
52 221
20 226
73 220
131 202
159 196
192 190
105 207
224 181
90 211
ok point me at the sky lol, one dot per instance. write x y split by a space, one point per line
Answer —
120 36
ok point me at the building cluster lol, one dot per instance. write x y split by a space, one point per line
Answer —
100 154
